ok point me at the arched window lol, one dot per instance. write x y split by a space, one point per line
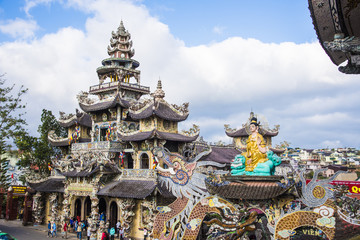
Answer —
87 207
77 209
102 206
144 161
113 214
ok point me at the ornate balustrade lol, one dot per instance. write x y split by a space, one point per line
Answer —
138 173
110 85
103 145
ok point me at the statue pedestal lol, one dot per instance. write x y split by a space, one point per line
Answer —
247 187
242 178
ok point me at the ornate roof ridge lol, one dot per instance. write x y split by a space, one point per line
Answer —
195 130
55 138
128 133
83 98
183 109
245 129
139 106
65 118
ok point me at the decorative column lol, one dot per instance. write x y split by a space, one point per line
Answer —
27 209
126 216
9 204
66 207
94 215
54 207
148 207
38 208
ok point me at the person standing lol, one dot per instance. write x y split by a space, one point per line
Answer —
88 233
49 229
145 233
118 225
53 229
78 231
65 229
112 233
121 233
71 224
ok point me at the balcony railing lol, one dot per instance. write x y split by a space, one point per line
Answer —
113 85
138 173
104 145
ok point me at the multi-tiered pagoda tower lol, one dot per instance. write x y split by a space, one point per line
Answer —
108 165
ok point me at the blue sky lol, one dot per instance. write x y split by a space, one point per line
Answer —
224 57
194 22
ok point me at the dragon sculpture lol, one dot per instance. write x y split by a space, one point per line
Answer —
182 218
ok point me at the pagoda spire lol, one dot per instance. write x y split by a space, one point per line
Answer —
159 93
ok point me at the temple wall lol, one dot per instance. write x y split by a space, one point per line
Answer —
136 223
47 209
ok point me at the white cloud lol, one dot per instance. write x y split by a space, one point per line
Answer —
218 30
294 85
19 28
29 4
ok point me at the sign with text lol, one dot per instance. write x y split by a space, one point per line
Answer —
19 189
354 186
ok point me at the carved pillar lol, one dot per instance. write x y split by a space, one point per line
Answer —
66 207
27 208
126 216
94 215
37 208
54 207
148 208
1 201
9 204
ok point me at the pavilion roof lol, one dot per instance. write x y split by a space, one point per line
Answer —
80 118
49 185
126 188
105 104
160 109
156 134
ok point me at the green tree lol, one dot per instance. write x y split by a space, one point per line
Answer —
11 123
38 152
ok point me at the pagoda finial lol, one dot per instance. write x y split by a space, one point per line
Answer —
159 93
159 85
121 28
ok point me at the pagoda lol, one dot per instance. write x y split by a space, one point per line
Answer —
108 167
241 135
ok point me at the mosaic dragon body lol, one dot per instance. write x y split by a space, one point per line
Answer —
182 219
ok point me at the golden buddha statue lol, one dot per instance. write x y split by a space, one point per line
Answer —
257 160
255 147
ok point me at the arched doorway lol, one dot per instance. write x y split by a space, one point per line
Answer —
87 207
129 161
144 161
77 209
113 214
102 206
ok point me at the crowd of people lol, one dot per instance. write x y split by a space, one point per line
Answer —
82 229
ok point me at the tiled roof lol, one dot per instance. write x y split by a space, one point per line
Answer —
243 133
326 28
65 141
219 154
140 136
117 100
255 190
107 168
160 109
80 118
49 185
125 188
